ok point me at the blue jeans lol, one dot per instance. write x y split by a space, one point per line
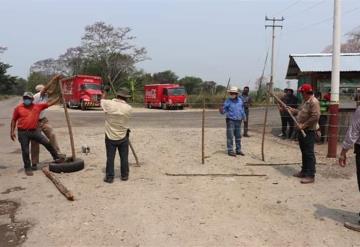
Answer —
233 128
123 147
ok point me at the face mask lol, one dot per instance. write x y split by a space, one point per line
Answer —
27 102
233 96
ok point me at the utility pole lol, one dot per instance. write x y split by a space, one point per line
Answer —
335 83
273 26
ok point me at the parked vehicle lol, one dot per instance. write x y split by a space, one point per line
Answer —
82 91
165 96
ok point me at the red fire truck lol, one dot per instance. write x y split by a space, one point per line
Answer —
82 91
165 96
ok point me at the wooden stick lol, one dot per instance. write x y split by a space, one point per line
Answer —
278 164
68 122
288 111
203 133
135 156
213 175
67 193
264 127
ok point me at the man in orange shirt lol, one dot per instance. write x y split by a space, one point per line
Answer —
25 118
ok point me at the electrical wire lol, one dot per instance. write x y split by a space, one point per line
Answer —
288 7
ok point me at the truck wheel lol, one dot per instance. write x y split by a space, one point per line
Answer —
82 105
181 107
71 166
164 106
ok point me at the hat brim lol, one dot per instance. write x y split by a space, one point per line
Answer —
123 95
233 91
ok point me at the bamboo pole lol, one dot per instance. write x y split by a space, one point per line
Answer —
73 155
264 127
67 193
203 133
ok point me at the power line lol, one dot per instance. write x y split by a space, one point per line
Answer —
289 6
309 8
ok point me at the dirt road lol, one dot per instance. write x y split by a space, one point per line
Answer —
153 209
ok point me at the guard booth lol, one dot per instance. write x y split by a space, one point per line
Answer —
315 69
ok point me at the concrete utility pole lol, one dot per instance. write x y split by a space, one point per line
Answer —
335 83
273 26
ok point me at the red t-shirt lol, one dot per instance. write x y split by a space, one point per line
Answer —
28 117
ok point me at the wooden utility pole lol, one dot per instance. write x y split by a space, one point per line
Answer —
335 82
203 132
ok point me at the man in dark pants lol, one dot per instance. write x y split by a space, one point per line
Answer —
247 100
308 118
283 115
291 101
234 109
25 118
352 138
117 115
324 106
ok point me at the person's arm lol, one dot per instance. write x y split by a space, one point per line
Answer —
50 83
225 107
53 101
352 135
13 125
314 115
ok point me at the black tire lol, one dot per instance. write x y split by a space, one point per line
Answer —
82 105
72 166
164 106
181 107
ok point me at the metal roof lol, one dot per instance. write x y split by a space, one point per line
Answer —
302 63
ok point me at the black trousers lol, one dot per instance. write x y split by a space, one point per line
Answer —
25 136
246 123
286 121
308 154
357 152
123 147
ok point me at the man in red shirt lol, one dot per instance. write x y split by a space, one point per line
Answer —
25 118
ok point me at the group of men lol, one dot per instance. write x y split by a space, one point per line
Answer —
33 128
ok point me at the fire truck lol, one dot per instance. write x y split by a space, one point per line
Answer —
165 96
82 91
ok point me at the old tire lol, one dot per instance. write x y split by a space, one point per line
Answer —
71 166
82 105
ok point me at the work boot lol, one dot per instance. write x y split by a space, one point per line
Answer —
231 153
307 180
299 175
28 172
124 178
240 153
59 160
34 167
351 226
246 135
108 180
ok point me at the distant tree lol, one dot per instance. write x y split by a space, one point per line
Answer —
164 77
7 82
220 89
20 86
73 59
351 45
192 84
2 49
36 78
209 87
113 49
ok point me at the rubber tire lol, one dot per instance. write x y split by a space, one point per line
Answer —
164 106
67 167
82 106
181 107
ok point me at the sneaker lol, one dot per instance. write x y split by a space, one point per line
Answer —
108 180
34 167
124 178
307 180
240 153
281 135
28 172
232 154
59 160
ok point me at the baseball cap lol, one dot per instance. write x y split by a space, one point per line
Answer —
305 88
28 95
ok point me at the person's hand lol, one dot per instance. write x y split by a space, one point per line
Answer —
300 126
342 158
12 136
221 109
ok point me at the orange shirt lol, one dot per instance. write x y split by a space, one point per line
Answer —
28 117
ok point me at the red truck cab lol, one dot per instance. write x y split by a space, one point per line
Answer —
165 96
82 91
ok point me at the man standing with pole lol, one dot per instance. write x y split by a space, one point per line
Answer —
335 83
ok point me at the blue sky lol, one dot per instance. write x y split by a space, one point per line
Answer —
212 39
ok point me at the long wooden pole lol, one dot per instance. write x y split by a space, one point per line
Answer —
203 133
68 122
67 193
264 127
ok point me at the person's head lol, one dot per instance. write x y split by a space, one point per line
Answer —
39 87
245 90
318 95
123 94
289 91
28 98
233 92
285 90
306 91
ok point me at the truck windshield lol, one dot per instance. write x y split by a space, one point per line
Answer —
90 86
176 91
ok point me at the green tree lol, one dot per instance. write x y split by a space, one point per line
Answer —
36 78
165 77
192 84
7 82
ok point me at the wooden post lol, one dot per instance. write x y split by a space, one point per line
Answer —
67 193
203 133
68 122
264 127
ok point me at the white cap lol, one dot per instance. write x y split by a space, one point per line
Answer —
233 90
39 87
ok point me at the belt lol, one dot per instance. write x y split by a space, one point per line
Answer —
20 129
